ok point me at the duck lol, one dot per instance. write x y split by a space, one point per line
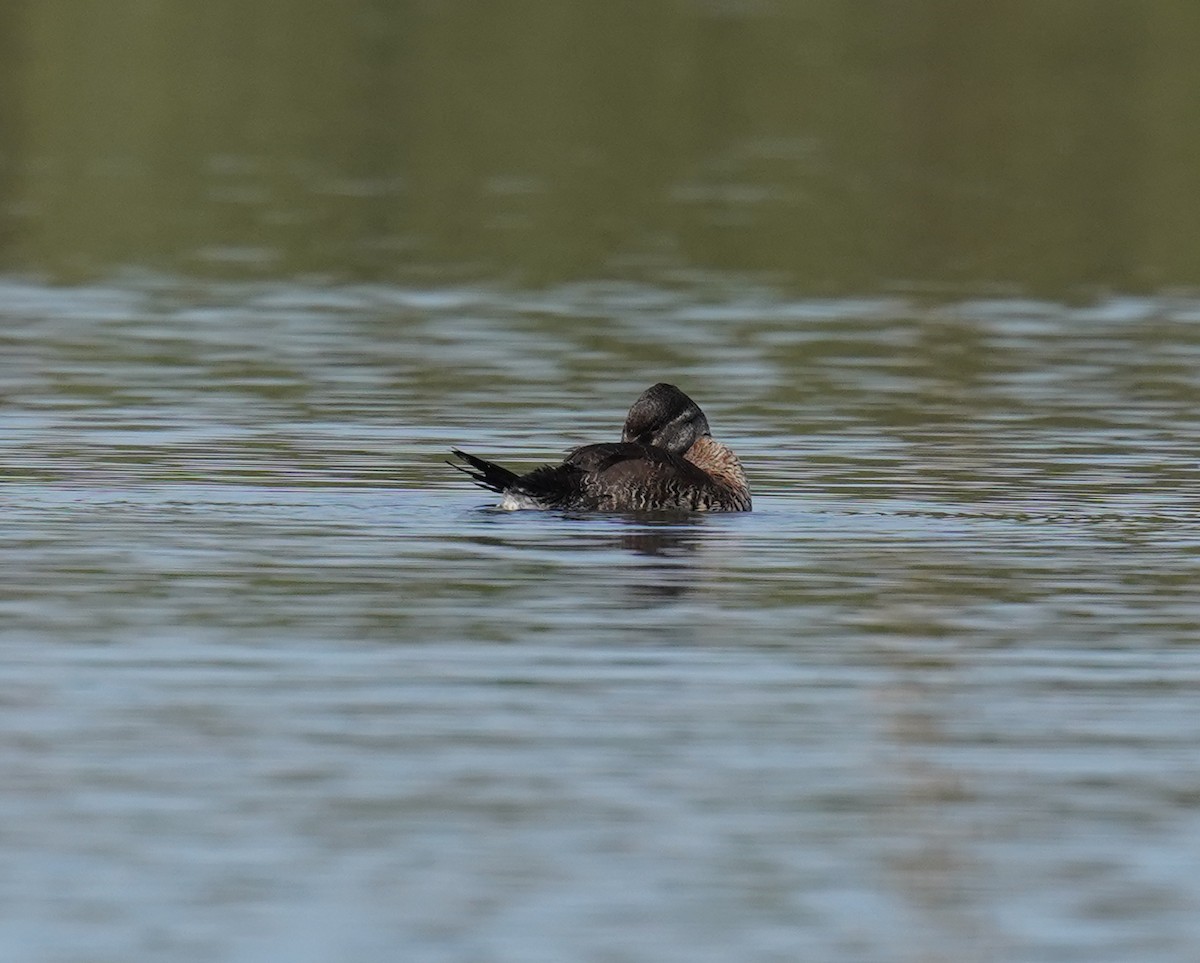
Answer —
666 460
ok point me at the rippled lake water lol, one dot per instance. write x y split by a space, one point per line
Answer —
280 685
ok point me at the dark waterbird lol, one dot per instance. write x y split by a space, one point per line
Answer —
666 460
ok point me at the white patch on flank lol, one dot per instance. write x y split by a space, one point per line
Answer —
515 502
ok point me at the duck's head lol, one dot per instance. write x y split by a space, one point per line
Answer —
663 416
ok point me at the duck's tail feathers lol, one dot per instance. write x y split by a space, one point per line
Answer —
484 473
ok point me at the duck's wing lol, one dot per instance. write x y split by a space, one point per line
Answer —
591 476
628 476
628 456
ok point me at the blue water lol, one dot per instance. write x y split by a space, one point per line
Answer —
279 685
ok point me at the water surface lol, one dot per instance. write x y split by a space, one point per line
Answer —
280 685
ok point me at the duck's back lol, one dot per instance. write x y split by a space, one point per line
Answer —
625 476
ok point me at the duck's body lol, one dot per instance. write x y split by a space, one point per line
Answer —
666 461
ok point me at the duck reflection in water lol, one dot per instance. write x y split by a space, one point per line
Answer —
670 547
666 460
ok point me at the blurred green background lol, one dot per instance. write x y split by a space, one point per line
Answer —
828 147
